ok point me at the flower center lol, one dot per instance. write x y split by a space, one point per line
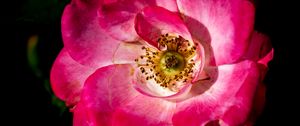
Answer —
171 62
170 66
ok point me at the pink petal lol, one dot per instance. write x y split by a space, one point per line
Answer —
84 4
171 5
117 17
81 117
154 21
110 99
127 52
263 63
83 37
259 99
225 25
267 58
144 111
228 100
103 92
67 78
258 104
260 49
239 112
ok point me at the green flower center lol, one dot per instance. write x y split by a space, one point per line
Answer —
172 63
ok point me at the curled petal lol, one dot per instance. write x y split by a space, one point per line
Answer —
224 24
228 100
67 78
263 63
110 99
260 49
154 21
267 58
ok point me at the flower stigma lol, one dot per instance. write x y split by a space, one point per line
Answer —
172 65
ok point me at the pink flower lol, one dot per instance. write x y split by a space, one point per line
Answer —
164 62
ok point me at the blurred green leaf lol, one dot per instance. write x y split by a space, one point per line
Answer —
59 104
32 56
47 86
33 61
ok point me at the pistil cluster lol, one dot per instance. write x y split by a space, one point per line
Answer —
169 65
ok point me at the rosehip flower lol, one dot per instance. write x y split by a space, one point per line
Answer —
166 62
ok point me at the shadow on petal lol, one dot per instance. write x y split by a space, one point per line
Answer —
201 34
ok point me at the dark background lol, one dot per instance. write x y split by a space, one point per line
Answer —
36 104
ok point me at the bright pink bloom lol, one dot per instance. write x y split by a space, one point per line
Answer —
164 62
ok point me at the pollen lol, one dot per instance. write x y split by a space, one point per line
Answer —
169 65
